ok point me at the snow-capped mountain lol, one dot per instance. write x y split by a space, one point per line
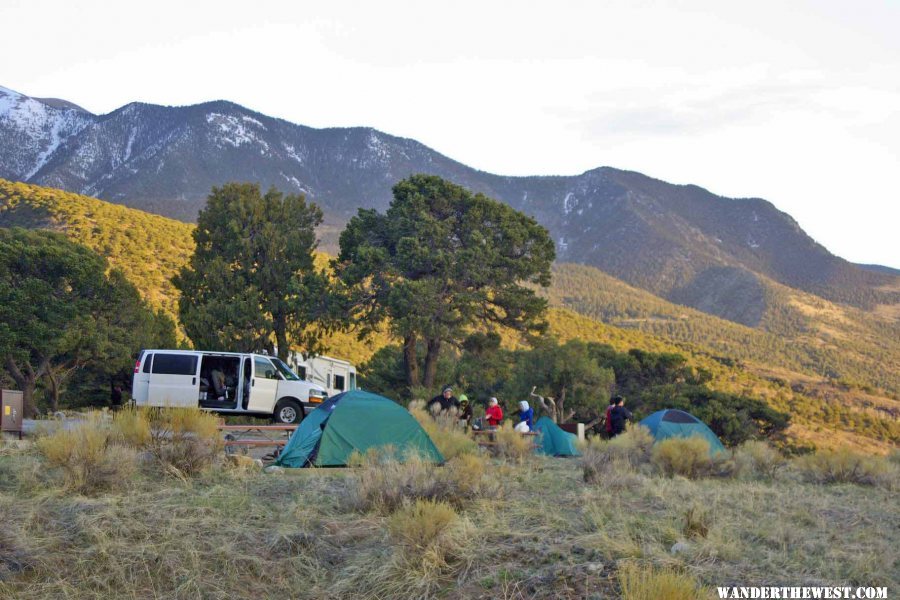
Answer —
680 242
32 131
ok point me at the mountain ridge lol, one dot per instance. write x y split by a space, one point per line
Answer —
680 242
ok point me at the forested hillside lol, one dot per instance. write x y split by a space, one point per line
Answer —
149 249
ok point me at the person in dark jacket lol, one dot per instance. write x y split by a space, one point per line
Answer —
465 411
607 425
443 402
618 416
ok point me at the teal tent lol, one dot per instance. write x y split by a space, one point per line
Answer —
355 421
555 441
677 423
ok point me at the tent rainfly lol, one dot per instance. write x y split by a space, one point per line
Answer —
555 441
677 423
355 421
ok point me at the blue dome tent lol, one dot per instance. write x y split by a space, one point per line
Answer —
677 423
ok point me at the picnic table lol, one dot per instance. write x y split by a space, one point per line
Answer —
491 442
266 435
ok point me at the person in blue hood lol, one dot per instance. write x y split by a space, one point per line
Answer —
526 414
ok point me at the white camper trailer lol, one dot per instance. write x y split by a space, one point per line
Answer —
334 374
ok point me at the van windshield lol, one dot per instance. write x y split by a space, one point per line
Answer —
284 369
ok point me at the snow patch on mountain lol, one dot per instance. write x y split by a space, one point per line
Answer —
232 130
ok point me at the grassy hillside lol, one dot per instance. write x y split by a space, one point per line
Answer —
150 249
799 331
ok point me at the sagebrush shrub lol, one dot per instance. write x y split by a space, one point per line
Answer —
512 445
185 440
131 426
382 483
846 466
419 525
758 460
87 457
688 457
614 461
444 430
648 583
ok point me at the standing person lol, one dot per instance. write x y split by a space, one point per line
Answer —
526 414
443 401
618 415
465 411
115 395
493 414
608 424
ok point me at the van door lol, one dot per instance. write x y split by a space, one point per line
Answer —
140 386
263 386
174 380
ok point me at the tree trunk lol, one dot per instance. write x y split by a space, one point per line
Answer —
548 404
54 390
410 361
26 380
561 407
281 337
431 360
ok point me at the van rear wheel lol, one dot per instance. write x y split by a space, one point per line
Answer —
288 412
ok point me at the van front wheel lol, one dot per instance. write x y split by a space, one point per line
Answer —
288 412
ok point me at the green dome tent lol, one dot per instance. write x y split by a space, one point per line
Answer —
677 423
355 421
555 441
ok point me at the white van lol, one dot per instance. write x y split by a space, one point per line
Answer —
334 374
224 382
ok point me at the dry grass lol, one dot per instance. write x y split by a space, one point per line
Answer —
512 445
383 484
421 524
87 458
248 535
615 462
758 460
184 441
688 457
444 431
647 583
844 466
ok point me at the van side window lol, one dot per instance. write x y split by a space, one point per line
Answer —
148 360
339 382
175 364
264 368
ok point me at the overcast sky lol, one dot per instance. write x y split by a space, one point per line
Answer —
796 102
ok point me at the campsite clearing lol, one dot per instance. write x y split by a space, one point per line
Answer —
545 533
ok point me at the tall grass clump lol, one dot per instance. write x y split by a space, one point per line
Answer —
512 445
383 482
688 457
846 466
421 524
432 545
758 460
615 461
131 426
184 440
647 583
444 430
87 456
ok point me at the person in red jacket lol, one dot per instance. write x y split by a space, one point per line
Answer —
493 414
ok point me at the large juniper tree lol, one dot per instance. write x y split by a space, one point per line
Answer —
252 279
441 262
60 312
